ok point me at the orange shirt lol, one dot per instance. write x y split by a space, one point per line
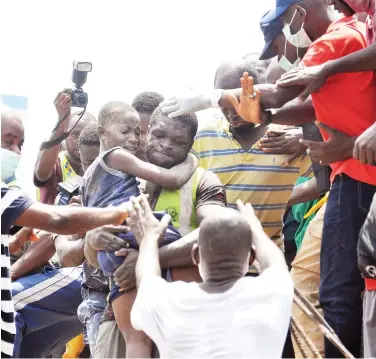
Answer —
347 102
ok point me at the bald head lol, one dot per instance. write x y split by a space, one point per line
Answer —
225 238
229 73
12 132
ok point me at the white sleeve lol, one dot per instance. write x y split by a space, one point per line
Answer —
151 295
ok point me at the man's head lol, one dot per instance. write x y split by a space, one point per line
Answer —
145 103
260 65
72 141
228 77
305 20
88 144
119 126
223 250
359 6
12 132
12 139
169 140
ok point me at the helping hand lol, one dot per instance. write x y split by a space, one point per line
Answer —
338 146
105 238
313 78
365 147
178 106
285 143
248 108
143 222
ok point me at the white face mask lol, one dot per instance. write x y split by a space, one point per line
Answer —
300 39
9 164
285 63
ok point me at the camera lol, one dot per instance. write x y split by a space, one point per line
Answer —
67 190
79 76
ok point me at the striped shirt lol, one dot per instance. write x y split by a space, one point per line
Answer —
13 204
251 176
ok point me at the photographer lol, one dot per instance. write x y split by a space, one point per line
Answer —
54 166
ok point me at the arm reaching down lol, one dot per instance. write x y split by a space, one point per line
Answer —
173 178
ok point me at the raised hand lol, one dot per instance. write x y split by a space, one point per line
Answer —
248 105
143 223
178 106
63 103
313 78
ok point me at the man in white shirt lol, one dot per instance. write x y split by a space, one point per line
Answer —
227 315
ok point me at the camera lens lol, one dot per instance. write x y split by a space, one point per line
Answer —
80 99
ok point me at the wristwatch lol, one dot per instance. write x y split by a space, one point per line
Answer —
267 117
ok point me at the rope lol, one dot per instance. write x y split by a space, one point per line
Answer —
323 326
306 339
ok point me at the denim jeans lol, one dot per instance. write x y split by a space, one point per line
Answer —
341 284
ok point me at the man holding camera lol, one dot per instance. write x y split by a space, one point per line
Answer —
54 166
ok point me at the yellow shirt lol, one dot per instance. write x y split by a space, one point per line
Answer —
252 176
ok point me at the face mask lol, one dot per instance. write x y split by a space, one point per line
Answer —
285 63
300 39
9 163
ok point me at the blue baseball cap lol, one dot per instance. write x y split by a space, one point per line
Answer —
280 8
270 30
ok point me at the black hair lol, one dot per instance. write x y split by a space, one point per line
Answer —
108 114
147 101
89 136
189 119
237 68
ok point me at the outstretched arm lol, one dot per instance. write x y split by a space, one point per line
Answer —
173 178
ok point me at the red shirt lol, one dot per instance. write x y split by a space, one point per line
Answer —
347 102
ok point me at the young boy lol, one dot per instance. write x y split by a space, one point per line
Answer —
227 315
111 179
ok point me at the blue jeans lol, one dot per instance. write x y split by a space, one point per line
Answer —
46 311
341 284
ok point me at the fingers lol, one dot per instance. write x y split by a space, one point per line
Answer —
247 84
240 205
305 93
170 102
311 144
269 134
290 78
291 158
123 252
165 221
116 229
324 127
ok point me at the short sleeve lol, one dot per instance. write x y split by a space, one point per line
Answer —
13 204
151 298
306 169
210 191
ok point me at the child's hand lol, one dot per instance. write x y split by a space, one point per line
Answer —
143 223
248 108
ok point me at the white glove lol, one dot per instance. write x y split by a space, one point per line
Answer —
178 106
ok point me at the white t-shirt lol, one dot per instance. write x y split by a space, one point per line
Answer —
250 320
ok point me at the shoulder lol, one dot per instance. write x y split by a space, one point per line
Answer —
13 204
343 37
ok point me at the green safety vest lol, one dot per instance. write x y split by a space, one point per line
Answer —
180 204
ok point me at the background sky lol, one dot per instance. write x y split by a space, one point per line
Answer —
162 45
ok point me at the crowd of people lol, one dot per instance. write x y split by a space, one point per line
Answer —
153 238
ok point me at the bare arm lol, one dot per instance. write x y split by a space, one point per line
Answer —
47 158
362 60
173 178
70 250
272 96
69 220
295 113
305 192
267 253
37 254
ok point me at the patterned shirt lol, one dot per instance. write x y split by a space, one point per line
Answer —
251 176
13 204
